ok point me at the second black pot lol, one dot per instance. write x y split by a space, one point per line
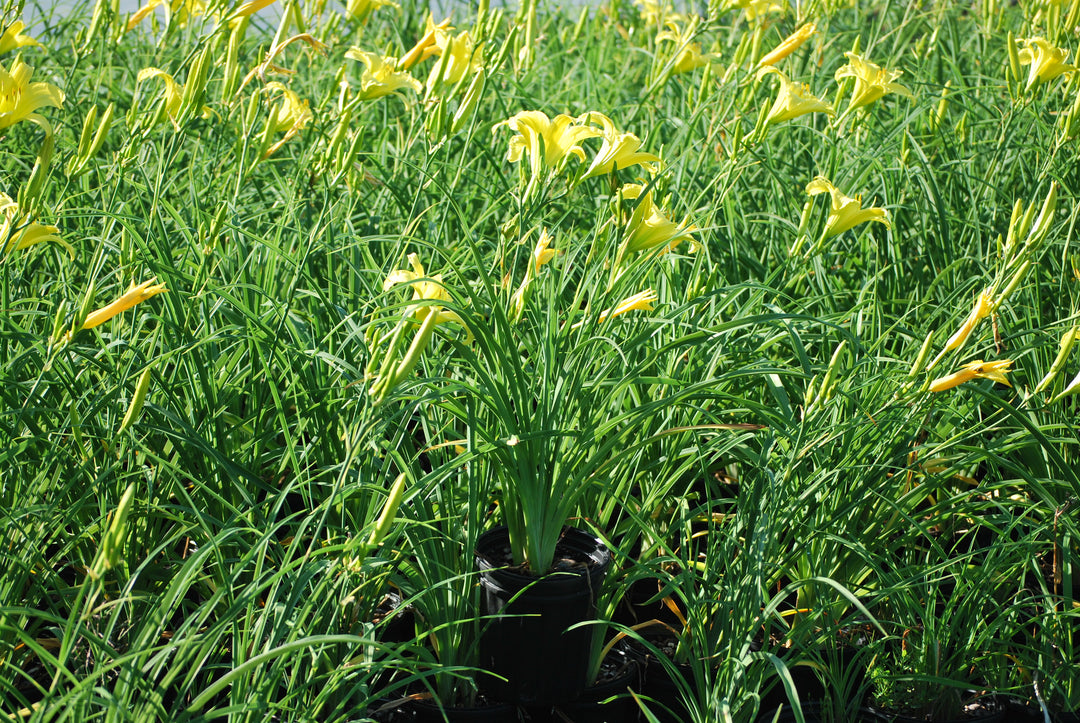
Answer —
528 643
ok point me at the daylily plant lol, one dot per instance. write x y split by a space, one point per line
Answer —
548 143
14 237
618 150
20 99
689 56
179 12
14 38
291 115
871 81
381 77
1047 61
846 211
974 370
362 9
173 93
392 371
793 99
458 55
648 227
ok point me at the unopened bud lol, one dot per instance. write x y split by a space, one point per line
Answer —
1064 348
137 401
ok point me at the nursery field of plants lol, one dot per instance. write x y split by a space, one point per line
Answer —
632 361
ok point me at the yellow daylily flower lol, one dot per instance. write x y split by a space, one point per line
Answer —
756 8
974 370
14 38
1047 62
291 115
458 56
426 46
793 99
543 253
134 295
691 58
392 368
546 141
362 9
178 11
20 99
641 301
653 12
871 80
648 227
425 288
173 93
789 45
31 234
14 238
381 77
618 150
249 8
846 211
689 55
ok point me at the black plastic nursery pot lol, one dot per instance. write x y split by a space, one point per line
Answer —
989 709
594 705
528 644
664 697
427 712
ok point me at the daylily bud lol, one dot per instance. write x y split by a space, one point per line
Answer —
1014 59
90 145
1071 388
112 542
137 400
811 392
1072 118
195 88
924 351
830 374
58 323
389 511
1042 223
789 45
136 294
1010 287
84 309
31 192
87 130
468 103
386 383
1064 348
801 237
1014 229
232 59
942 107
